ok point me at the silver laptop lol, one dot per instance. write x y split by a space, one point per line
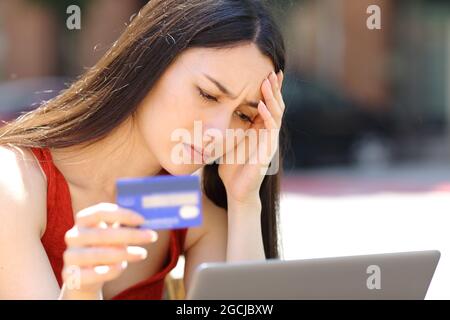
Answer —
404 275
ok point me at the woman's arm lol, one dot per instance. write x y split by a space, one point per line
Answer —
207 243
25 271
244 232
224 236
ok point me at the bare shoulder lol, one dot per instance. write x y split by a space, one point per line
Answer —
25 270
23 187
214 220
18 163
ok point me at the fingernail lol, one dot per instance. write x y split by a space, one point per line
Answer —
108 206
116 225
152 235
137 251
103 225
101 269
262 106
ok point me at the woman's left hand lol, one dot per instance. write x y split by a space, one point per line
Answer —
243 180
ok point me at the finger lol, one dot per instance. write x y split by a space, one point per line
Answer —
80 237
251 147
267 117
109 213
274 83
276 90
267 142
253 144
280 76
270 100
263 154
85 278
237 155
86 257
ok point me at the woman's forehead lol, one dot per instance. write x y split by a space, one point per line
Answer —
239 65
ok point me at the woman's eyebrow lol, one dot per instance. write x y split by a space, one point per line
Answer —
228 93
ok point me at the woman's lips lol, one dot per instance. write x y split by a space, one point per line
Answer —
198 151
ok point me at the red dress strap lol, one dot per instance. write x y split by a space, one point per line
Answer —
59 211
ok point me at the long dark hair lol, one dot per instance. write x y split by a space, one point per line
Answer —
108 93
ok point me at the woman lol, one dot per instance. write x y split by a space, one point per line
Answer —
178 62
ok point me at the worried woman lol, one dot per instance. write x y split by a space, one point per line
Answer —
218 62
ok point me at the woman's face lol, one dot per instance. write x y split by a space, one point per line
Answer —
210 88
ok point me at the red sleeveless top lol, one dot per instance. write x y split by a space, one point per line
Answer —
60 220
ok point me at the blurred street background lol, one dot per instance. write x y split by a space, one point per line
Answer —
368 113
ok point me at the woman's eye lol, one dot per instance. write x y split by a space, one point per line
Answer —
207 96
244 117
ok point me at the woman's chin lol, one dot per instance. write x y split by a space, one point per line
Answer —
163 172
181 170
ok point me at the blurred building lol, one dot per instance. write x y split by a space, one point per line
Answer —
358 95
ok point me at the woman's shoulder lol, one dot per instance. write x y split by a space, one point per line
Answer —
19 162
24 187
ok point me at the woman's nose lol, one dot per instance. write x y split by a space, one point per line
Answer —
217 124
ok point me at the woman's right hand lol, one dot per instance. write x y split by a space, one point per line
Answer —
100 245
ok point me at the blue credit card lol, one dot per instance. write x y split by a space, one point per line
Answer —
166 202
